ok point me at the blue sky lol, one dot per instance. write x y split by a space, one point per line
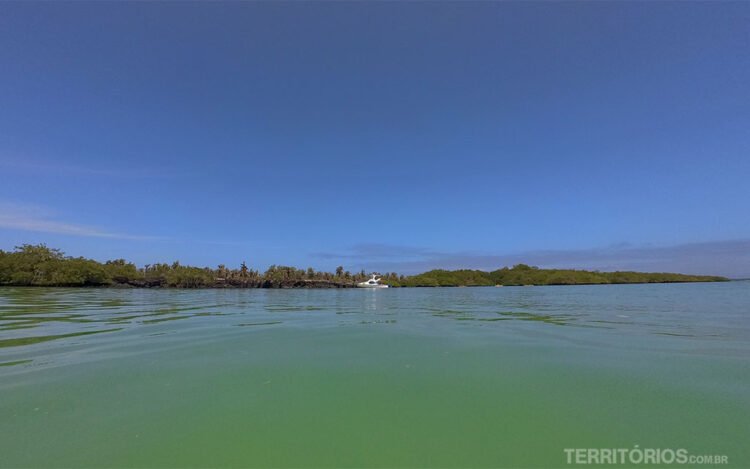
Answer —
379 135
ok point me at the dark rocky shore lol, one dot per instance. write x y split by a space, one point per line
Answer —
262 284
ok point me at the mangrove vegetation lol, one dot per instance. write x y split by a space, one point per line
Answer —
39 265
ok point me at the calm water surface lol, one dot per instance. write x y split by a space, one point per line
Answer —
400 377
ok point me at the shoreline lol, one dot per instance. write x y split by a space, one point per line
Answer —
39 265
121 286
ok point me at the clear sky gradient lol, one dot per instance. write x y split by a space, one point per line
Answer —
380 135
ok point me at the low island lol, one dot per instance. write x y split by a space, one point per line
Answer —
39 265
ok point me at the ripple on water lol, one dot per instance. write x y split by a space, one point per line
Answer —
36 319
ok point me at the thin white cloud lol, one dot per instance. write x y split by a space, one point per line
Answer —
727 257
28 217
37 166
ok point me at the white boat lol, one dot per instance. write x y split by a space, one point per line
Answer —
372 283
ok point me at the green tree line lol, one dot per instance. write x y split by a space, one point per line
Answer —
522 274
39 265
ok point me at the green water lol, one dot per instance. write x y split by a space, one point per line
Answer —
469 377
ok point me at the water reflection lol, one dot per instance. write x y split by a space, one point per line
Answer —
17 362
45 338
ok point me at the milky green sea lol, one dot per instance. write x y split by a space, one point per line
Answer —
434 377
